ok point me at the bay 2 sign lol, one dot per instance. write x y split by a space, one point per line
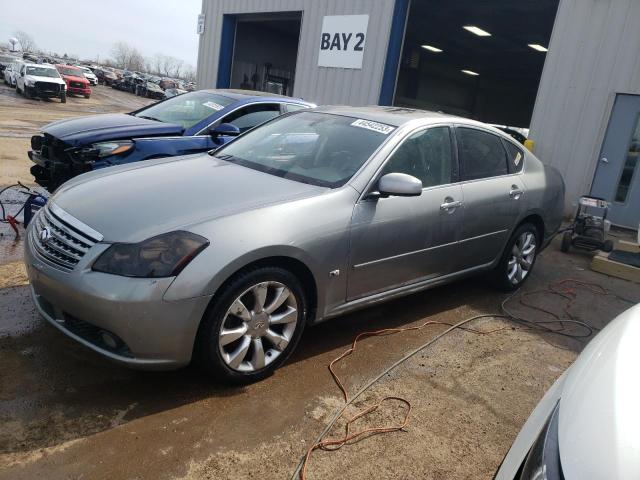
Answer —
342 41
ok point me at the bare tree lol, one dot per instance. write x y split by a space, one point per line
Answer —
127 57
121 53
27 44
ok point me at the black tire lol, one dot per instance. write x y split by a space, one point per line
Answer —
26 93
607 246
87 96
63 98
500 274
565 245
207 350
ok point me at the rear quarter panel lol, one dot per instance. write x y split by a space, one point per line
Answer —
544 195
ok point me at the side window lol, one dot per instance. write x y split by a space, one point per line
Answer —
481 154
426 155
253 115
515 157
292 107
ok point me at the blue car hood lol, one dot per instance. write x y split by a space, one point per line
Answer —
95 128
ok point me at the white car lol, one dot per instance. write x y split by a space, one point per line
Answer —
41 80
89 75
11 73
587 426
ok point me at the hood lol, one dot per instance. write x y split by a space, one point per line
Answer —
74 78
599 423
38 78
134 202
82 130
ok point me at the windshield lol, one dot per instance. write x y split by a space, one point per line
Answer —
75 72
316 148
186 110
43 72
86 71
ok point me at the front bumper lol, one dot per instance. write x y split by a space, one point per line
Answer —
151 333
79 90
518 452
40 93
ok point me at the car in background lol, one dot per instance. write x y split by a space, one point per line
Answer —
586 426
41 80
77 84
106 77
11 73
89 75
172 92
226 257
150 89
6 60
189 123
169 83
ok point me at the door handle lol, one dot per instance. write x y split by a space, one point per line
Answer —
515 192
604 160
450 204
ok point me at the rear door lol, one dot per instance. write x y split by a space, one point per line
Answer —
251 116
491 193
401 240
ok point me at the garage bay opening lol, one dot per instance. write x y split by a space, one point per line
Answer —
467 58
265 52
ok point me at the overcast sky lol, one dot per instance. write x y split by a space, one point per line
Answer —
89 28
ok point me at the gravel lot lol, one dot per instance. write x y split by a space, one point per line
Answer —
66 413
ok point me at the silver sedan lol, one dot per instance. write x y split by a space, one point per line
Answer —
226 257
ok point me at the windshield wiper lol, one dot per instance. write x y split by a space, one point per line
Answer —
224 156
149 118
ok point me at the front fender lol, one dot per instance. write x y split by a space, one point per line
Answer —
149 148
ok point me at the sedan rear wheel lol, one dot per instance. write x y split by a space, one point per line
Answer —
254 325
518 259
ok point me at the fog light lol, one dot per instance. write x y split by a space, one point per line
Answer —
109 340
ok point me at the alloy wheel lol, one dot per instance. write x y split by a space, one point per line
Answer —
258 326
523 254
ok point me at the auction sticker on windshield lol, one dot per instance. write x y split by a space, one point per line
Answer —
375 126
214 105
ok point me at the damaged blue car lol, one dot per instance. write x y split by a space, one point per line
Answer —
190 123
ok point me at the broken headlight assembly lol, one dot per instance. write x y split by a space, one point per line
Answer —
543 460
100 150
161 256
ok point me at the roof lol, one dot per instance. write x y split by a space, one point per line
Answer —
244 94
43 65
398 116
389 115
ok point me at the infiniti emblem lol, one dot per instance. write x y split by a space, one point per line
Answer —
45 236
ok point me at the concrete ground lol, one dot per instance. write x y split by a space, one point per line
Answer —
66 413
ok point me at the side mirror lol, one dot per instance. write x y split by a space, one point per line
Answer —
399 185
225 130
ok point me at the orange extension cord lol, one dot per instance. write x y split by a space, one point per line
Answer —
565 289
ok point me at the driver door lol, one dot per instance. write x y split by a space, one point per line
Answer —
397 241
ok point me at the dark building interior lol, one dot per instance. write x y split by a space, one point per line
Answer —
265 52
502 69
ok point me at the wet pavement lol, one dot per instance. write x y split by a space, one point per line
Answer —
67 413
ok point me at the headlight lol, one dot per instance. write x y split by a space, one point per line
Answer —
104 149
543 460
29 83
162 256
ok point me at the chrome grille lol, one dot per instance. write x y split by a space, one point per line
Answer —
63 244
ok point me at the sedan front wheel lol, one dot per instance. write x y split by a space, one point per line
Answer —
254 325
